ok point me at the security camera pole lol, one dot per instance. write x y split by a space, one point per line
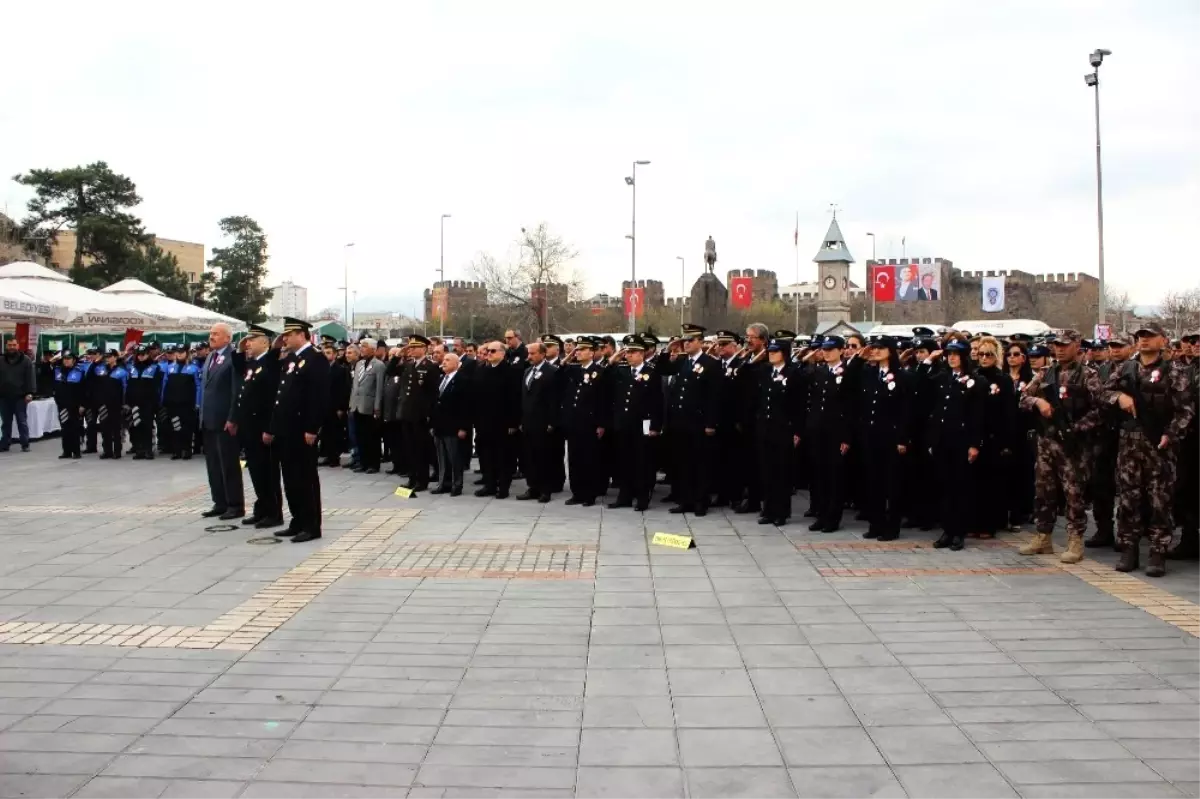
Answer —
1093 79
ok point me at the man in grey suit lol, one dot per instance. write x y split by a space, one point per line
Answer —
366 402
219 384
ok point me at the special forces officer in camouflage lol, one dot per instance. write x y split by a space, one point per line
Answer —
1155 398
1067 395
1104 466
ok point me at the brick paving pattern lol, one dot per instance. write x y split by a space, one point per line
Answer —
463 647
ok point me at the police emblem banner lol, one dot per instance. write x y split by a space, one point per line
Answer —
993 294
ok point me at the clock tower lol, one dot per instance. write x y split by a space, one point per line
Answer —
833 275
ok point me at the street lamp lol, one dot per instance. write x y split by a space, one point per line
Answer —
1092 79
346 282
442 273
632 183
871 275
682 286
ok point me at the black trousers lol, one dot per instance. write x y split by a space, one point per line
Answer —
417 449
93 429
367 428
394 436
885 481
301 483
262 461
72 429
141 429
1019 481
776 456
224 470
558 461
990 516
585 454
827 477
730 450
690 467
540 451
635 454
956 479
162 428
497 457
181 422
333 437
1104 482
108 420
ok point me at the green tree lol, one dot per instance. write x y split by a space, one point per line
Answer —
152 265
92 200
237 272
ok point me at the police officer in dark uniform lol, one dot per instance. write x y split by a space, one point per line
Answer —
418 393
181 398
955 439
143 396
68 382
259 364
730 439
558 439
585 411
829 425
637 422
541 406
300 407
199 355
91 384
779 414
333 432
109 403
885 409
1187 498
693 404
920 509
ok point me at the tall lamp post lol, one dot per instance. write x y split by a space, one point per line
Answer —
682 285
632 182
442 274
346 282
871 275
1093 79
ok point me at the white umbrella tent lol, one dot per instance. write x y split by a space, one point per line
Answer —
77 306
184 316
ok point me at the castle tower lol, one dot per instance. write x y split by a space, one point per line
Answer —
833 276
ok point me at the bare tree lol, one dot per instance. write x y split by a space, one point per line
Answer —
1180 310
1118 306
541 279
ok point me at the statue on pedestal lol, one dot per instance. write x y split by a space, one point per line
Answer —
710 254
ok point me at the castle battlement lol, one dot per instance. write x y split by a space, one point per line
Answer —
457 284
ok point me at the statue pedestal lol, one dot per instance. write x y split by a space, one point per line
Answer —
709 301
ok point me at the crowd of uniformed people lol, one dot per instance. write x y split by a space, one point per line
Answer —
971 434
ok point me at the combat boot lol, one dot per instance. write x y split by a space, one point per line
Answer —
1074 552
1129 559
1157 566
1040 544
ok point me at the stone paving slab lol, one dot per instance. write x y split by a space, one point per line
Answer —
417 650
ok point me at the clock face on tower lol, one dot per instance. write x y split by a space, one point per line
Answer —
830 282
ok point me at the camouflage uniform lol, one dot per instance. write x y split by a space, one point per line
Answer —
1146 473
1064 449
1187 497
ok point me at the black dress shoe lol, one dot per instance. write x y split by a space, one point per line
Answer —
372 470
63 456
187 456
501 495
620 504
307 535
456 492
485 492
871 534
642 507
252 519
815 526
103 455
746 507
943 542
75 456
439 490
830 528
765 520
213 511
956 543
680 509
263 524
359 469
232 513
573 501
587 503
287 533
527 495
544 498
719 503
701 510
176 456
887 536
137 456
149 456
779 522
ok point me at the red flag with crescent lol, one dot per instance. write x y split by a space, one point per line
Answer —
635 301
883 283
741 292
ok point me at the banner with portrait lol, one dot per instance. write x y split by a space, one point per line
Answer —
917 283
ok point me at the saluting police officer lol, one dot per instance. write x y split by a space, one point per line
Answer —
259 388
693 409
885 408
779 412
418 392
585 411
143 396
637 421
300 407
69 396
828 428
109 402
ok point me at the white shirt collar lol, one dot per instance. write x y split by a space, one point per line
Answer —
302 349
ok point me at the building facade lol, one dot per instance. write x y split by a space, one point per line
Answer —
289 300
189 254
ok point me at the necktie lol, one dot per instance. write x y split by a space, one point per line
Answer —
529 377
445 381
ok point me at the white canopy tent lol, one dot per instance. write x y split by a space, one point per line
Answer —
185 316
79 307
17 306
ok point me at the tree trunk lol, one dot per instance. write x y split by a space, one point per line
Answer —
79 233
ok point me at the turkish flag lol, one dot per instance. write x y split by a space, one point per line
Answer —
883 283
132 336
635 301
742 290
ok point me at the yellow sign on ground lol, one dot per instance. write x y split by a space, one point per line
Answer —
404 492
672 540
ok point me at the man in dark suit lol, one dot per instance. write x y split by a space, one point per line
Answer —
259 366
497 387
637 420
539 422
927 291
219 384
300 407
692 412
333 432
585 412
451 425
418 392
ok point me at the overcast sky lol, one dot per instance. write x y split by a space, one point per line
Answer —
964 126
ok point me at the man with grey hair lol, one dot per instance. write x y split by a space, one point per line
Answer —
451 423
220 383
366 402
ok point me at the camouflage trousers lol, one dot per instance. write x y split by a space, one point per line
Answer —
1145 489
1059 477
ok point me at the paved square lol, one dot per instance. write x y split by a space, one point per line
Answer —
443 647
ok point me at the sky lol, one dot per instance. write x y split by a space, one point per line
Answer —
963 128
